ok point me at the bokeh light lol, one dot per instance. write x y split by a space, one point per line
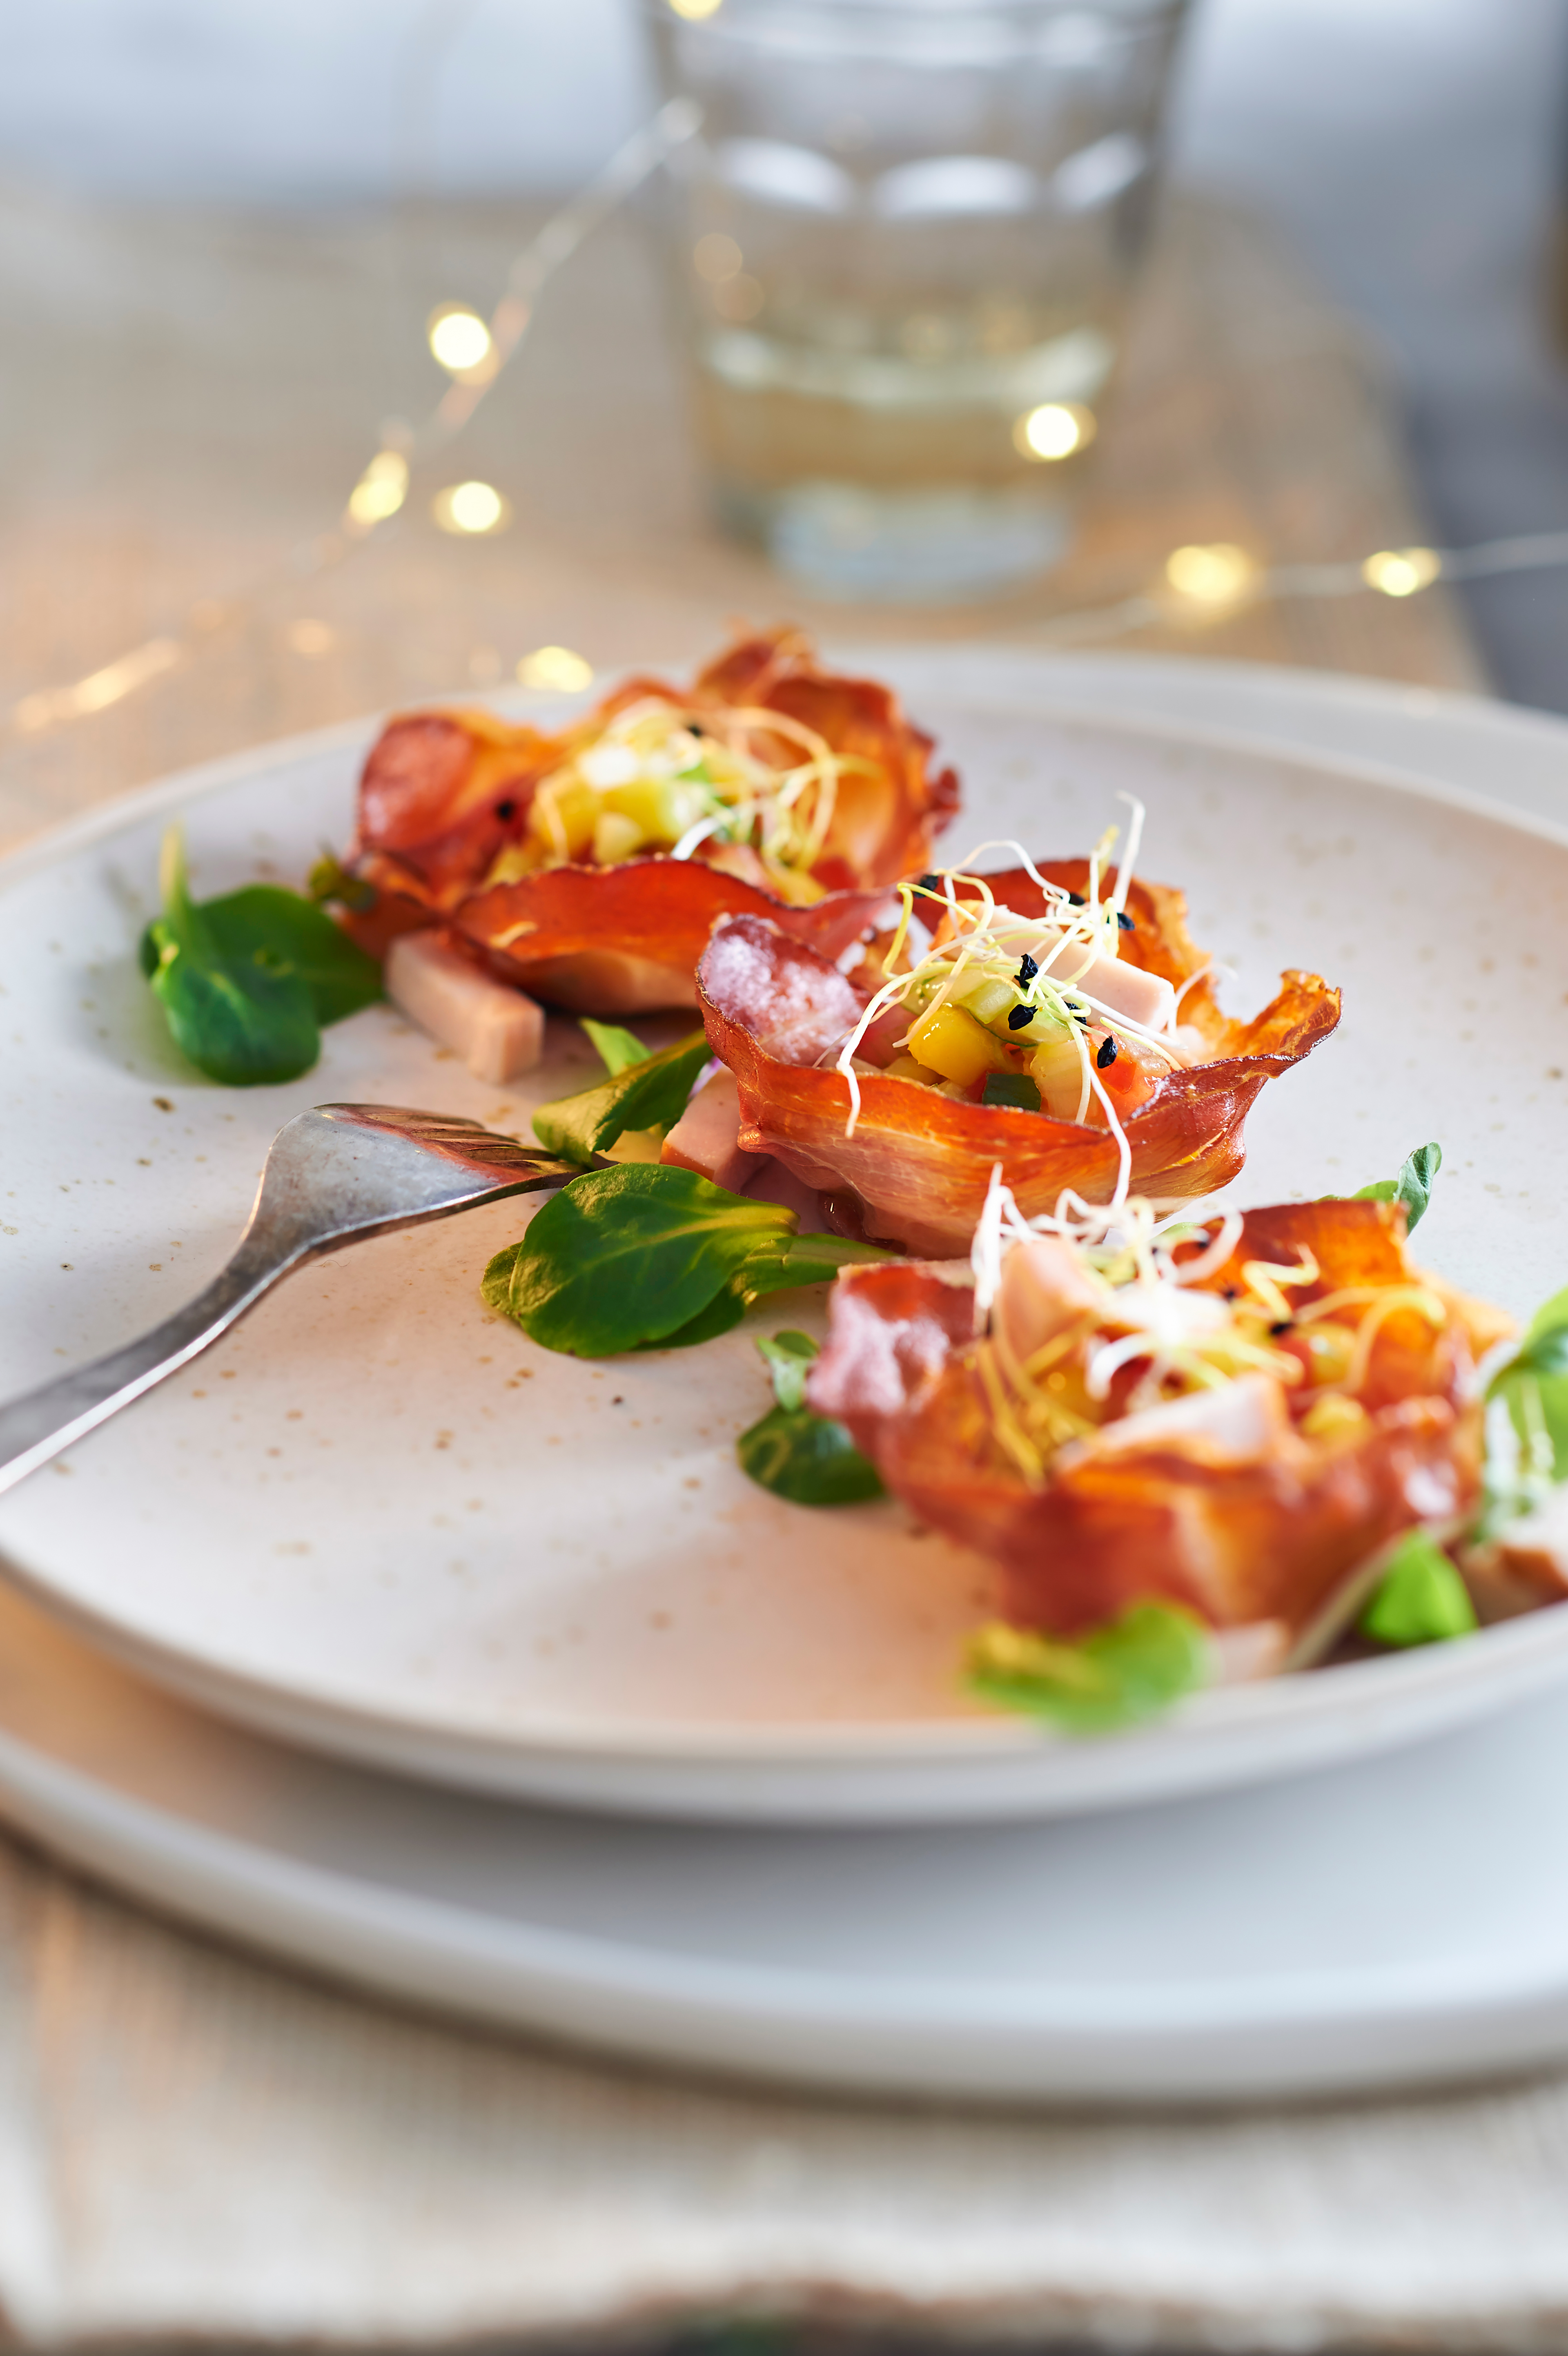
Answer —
1216 574
1400 572
461 341
311 638
556 669
381 489
471 508
1055 430
716 257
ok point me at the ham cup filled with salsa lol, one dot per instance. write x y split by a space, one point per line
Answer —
1231 1416
1053 1019
587 867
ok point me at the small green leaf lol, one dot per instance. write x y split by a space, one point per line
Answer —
1545 1349
628 1255
726 1309
246 981
788 1358
1420 1599
1534 1386
284 933
650 1094
1130 1669
620 1049
808 1459
782 1266
1413 1187
1013 1089
329 880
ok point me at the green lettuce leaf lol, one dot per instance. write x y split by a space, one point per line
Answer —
651 1093
1132 1668
1413 1187
809 1459
247 981
1420 1599
618 1049
627 1256
330 879
646 1256
1533 1386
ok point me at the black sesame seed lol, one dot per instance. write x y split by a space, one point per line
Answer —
1124 921
1078 900
1282 1325
1026 971
928 883
506 809
1019 1016
1107 1055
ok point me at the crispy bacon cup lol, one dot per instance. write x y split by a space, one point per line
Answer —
590 866
1236 1423
1061 1024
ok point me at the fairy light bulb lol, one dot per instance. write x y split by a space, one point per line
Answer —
460 340
471 509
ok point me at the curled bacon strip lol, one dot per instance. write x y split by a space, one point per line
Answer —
444 793
1264 1533
627 938
919 1162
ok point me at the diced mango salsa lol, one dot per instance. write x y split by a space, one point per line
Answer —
989 1000
561 818
615 836
794 885
950 1041
663 808
1057 1069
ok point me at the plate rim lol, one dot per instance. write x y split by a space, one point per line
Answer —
1222 2036
327 1721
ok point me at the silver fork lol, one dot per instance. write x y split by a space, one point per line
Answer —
332 1177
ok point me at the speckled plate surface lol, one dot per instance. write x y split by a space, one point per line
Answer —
378 1520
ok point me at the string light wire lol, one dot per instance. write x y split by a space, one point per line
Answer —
1199 583
383 483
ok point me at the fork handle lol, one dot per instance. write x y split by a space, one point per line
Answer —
43 1422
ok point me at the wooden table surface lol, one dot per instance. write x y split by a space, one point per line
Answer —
196 2145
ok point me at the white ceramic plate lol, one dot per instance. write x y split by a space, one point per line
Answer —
1401 1920
378 1521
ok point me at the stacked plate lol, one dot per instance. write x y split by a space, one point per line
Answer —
386 1641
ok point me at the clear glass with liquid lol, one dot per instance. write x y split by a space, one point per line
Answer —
904 236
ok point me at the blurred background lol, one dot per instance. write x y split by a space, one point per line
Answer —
223 231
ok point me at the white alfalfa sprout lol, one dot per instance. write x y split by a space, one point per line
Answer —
978 925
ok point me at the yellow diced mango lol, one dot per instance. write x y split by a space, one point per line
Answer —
1057 1071
794 885
562 819
615 836
951 1041
989 999
663 808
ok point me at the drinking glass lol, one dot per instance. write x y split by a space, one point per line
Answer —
903 238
